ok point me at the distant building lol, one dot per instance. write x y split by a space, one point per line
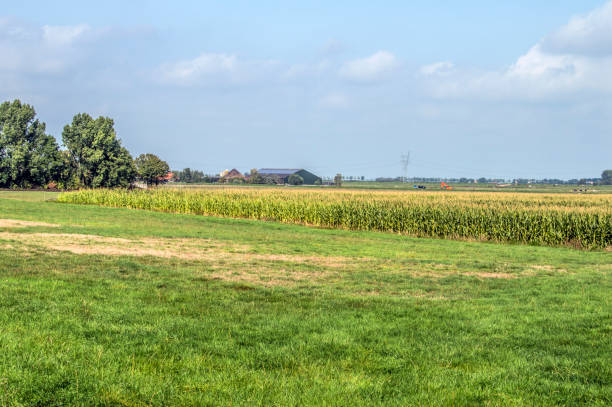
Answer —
283 174
231 174
166 178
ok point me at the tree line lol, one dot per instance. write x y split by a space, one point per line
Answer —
92 156
605 179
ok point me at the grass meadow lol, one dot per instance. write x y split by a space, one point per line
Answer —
104 306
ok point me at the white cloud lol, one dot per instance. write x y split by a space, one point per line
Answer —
62 35
29 49
220 69
370 68
24 50
438 68
590 34
334 100
191 71
574 60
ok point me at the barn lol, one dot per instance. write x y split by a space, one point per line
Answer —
284 173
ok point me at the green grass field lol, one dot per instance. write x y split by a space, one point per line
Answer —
118 307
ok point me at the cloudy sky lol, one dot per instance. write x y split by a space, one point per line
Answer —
472 88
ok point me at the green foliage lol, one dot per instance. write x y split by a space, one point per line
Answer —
151 168
295 179
189 176
255 177
96 154
606 177
338 180
582 221
28 156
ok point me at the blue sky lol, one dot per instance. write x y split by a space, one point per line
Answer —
473 88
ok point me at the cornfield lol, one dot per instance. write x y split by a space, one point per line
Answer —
583 221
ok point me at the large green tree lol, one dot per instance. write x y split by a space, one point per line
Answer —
151 168
606 177
96 153
28 156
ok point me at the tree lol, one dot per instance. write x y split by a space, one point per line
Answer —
295 179
338 180
198 176
186 175
255 177
28 156
606 177
151 168
96 153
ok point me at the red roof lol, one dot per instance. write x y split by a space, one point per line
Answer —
168 177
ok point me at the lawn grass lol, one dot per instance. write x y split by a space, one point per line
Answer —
32 196
193 310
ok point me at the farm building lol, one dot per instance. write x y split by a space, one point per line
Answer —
284 173
231 174
166 178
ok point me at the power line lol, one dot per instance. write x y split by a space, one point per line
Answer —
405 160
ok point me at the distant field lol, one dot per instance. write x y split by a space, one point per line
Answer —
435 186
430 186
106 307
545 219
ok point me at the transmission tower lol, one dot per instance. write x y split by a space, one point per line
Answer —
405 160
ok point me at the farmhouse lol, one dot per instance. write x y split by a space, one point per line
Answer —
284 173
231 174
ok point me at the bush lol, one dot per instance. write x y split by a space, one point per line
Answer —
295 179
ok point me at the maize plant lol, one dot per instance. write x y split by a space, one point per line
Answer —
583 221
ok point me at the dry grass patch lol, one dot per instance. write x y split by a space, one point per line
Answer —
535 269
189 249
271 277
15 223
420 294
506 276
230 262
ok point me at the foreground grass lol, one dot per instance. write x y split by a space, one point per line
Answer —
264 313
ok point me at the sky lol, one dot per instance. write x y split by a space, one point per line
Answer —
505 89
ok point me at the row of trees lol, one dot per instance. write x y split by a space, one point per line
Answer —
188 175
93 156
606 179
